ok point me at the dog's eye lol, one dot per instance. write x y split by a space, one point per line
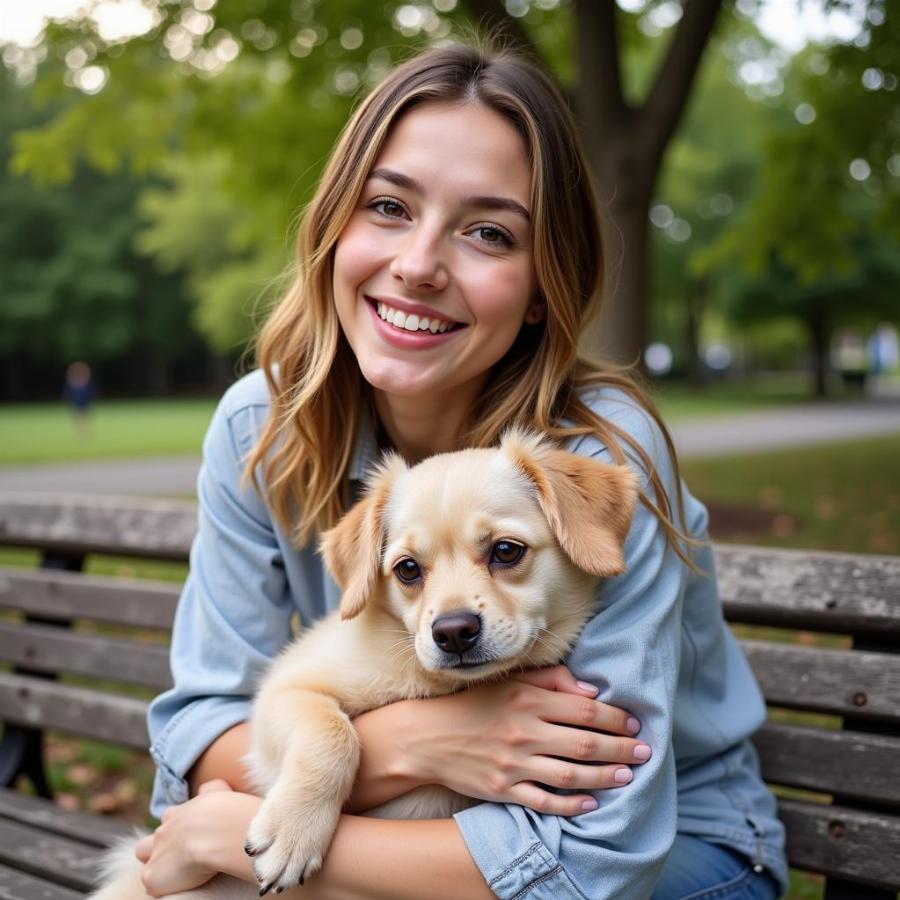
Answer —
407 570
507 552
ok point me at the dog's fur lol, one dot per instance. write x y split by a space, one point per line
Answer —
447 514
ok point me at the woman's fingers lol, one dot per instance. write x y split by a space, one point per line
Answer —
527 794
144 848
559 773
571 701
581 745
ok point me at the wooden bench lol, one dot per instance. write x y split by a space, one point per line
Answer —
847 827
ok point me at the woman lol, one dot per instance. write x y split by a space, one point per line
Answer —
447 266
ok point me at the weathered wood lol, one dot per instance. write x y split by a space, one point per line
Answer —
836 592
161 529
834 840
34 701
69 595
18 885
841 682
47 816
862 766
57 859
48 648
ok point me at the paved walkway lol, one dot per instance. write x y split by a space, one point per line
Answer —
695 438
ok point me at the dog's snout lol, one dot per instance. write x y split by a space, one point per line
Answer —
456 632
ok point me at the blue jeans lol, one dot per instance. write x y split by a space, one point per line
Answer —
697 870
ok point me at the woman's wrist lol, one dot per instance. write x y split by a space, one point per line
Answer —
388 767
220 845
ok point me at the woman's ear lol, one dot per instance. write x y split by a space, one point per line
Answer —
535 312
353 549
588 504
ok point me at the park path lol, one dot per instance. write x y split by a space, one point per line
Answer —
724 435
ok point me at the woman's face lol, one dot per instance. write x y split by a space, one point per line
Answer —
434 273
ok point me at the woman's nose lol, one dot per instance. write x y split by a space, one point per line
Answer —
419 261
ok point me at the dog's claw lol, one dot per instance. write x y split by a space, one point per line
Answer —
265 889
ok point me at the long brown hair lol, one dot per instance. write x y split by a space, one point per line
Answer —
305 449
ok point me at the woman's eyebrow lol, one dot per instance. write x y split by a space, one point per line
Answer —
485 202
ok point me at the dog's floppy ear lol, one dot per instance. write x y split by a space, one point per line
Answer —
352 549
588 504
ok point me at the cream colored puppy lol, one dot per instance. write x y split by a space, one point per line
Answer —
454 571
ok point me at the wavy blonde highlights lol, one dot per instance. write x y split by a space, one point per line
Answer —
305 450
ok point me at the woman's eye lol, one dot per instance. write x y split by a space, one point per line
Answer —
407 570
387 207
492 235
507 552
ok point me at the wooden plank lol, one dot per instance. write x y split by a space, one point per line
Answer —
75 524
841 593
841 682
48 856
18 885
47 816
842 842
49 648
47 704
862 766
70 595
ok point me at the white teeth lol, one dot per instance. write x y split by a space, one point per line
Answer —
411 322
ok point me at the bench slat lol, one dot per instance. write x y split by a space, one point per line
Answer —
17 885
37 702
842 842
46 815
49 648
73 524
841 682
841 593
61 860
862 766
71 595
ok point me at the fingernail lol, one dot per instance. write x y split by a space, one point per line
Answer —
587 687
622 776
642 752
633 725
588 805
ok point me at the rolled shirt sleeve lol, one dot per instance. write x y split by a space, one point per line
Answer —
630 649
234 613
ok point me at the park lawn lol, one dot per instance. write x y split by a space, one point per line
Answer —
842 497
46 433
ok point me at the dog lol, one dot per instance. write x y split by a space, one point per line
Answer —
453 572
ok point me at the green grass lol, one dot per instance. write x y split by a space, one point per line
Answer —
37 433
836 497
46 432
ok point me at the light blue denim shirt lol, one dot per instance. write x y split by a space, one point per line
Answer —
657 646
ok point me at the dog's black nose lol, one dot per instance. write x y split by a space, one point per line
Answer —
456 632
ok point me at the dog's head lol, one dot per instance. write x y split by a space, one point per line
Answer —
489 558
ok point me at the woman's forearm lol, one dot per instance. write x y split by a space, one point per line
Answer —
384 767
383 772
369 859
224 758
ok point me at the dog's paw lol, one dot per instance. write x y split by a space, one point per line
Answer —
287 842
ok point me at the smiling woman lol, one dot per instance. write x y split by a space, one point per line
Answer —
447 267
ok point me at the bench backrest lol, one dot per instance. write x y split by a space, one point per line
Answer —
848 752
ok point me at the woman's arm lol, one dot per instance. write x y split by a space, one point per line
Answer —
491 742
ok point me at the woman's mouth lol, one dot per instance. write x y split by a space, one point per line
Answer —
411 331
412 322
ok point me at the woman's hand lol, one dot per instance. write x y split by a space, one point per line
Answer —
498 742
197 840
